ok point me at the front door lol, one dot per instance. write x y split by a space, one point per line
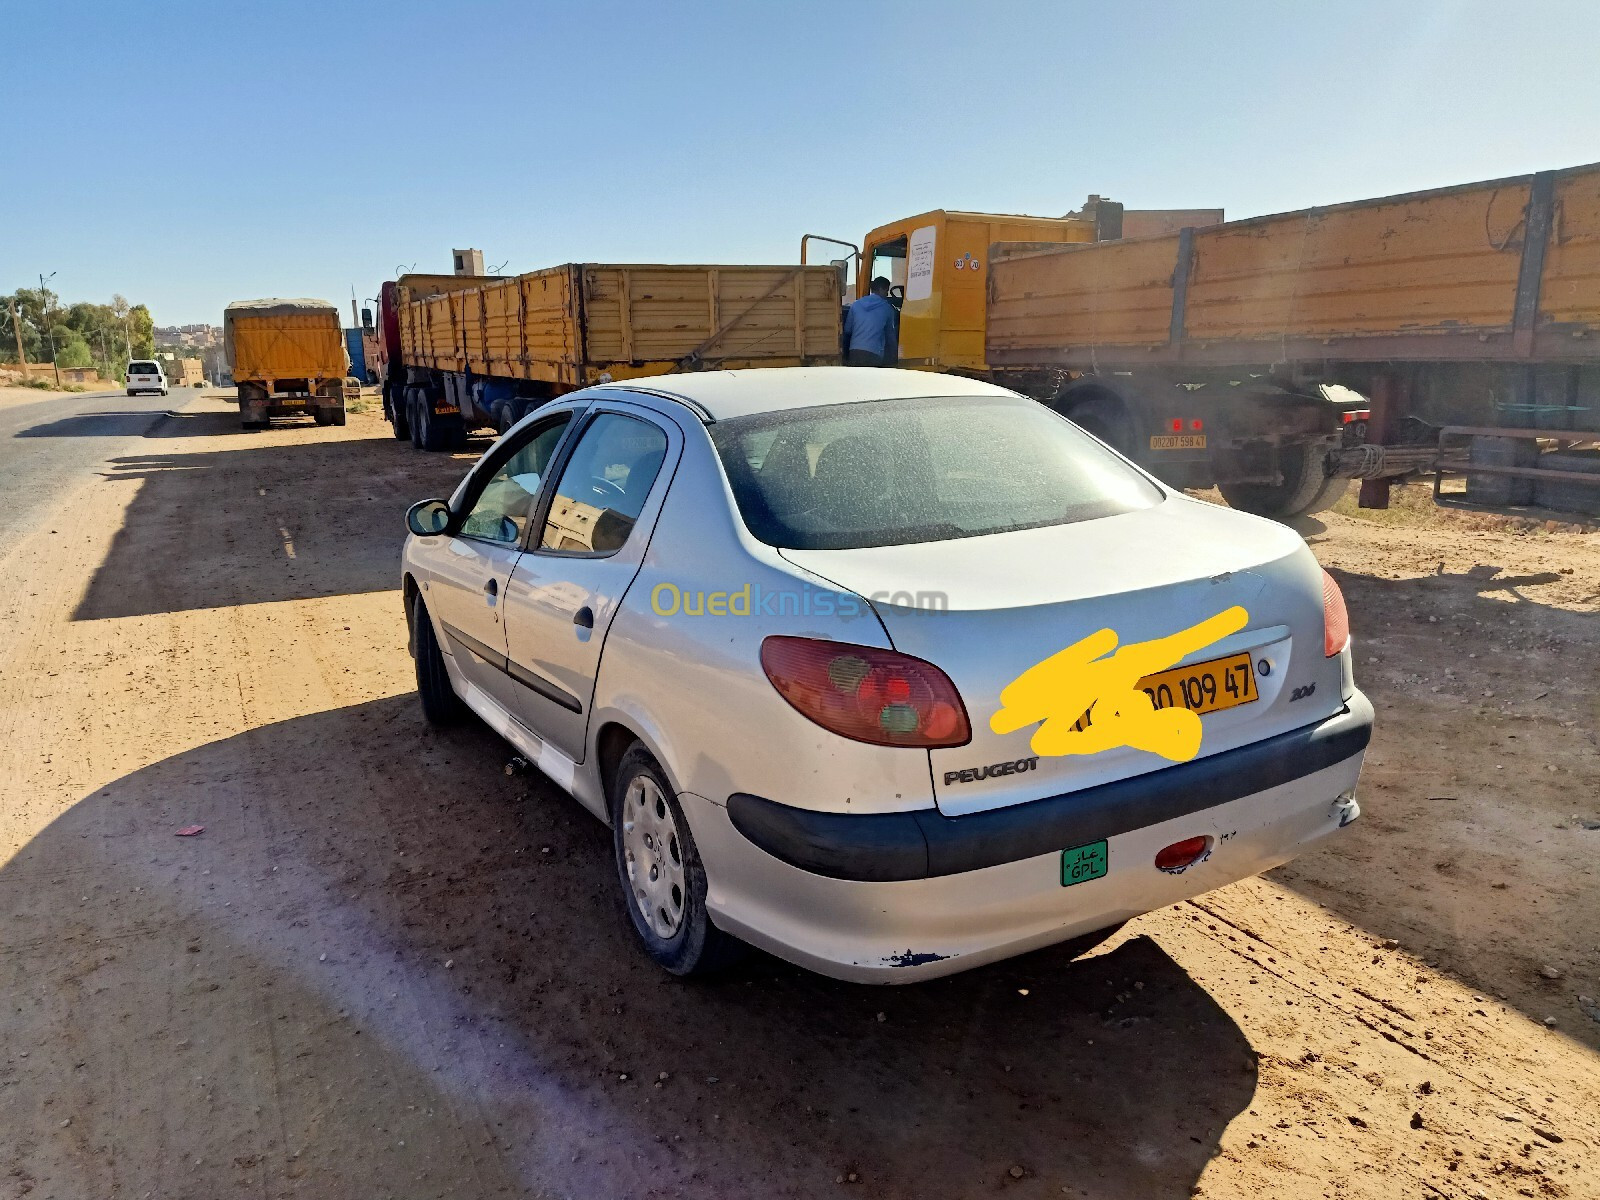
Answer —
471 571
567 587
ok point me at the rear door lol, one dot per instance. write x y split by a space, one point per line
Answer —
567 587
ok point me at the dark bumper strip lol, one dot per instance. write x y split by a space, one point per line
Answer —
883 847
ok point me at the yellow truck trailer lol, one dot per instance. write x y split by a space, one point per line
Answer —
288 359
1279 357
465 352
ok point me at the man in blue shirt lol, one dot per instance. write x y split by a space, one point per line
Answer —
872 329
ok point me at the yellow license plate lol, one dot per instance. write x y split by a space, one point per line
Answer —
441 409
1178 441
290 403
1205 687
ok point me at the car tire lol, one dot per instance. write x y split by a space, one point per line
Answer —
131 392
440 704
1306 487
658 866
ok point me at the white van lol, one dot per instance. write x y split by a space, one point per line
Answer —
144 375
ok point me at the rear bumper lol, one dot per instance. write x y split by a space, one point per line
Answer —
905 928
924 844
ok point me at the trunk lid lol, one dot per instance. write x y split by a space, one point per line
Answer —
1012 600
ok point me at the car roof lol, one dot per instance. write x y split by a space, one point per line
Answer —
722 395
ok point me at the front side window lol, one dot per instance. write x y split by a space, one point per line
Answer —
893 472
505 506
604 485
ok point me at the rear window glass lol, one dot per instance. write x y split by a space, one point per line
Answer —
142 368
892 472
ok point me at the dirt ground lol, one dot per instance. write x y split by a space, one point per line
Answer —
387 968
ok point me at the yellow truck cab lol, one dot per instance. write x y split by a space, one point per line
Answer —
937 264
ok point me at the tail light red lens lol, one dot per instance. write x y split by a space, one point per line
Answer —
866 694
1182 854
1335 620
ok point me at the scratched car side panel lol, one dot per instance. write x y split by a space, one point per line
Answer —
1015 599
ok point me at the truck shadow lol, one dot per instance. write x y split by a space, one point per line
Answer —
414 962
261 522
1479 813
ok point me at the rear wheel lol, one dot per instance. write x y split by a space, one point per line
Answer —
440 704
336 417
663 879
1306 488
396 406
414 417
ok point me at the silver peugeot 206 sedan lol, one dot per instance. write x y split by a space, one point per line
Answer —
889 673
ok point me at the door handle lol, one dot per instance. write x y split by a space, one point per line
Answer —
491 589
584 617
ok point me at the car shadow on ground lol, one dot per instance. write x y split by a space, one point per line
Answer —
397 970
260 521
1481 792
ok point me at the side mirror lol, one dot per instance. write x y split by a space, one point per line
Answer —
428 518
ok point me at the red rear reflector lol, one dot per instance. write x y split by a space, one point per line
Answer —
1357 414
1196 425
1335 619
1177 424
867 694
1182 854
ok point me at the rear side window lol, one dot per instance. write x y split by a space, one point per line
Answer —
142 368
893 472
604 485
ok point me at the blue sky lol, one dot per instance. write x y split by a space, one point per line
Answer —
191 154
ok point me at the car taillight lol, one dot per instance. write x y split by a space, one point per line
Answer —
1182 855
866 694
1335 620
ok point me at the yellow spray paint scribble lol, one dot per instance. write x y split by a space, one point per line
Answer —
1068 684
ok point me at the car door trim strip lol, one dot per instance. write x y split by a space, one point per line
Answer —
528 679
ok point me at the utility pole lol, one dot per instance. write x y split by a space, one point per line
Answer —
104 354
16 328
44 301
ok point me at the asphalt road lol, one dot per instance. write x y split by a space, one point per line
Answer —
53 444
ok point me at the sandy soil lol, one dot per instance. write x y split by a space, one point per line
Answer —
386 968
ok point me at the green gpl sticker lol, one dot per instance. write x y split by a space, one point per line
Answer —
1082 863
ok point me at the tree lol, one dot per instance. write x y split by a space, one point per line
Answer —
142 331
71 349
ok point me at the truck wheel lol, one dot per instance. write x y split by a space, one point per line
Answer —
395 410
414 417
658 864
440 704
1306 486
336 417
435 434
322 416
1104 416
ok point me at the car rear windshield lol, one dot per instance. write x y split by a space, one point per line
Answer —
142 368
893 472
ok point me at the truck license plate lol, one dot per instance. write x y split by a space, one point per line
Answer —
1178 441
